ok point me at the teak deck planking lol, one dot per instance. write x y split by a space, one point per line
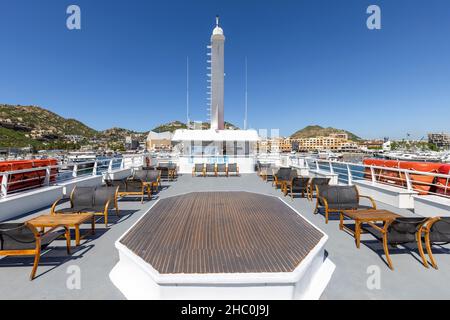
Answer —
222 232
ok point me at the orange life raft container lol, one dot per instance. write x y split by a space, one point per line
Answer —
421 183
27 180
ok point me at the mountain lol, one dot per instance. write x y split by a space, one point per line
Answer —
117 134
33 118
318 131
24 126
172 126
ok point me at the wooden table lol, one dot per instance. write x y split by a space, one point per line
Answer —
364 216
64 220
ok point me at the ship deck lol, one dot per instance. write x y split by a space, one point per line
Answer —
92 261
222 232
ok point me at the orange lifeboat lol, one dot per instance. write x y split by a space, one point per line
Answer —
421 183
28 180
443 184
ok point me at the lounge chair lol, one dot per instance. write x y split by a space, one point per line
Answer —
436 232
267 173
297 185
137 185
262 169
153 179
398 232
335 199
314 183
210 169
221 169
233 169
95 200
22 239
282 175
164 169
199 168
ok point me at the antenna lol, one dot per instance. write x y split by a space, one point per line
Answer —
188 124
246 94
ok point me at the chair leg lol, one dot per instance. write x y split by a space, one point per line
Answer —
386 252
420 247
429 251
67 235
316 210
117 207
326 216
37 257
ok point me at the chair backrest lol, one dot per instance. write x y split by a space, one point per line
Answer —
403 230
140 174
221 167
300 182
293 174
232 167
210 167
153 176
319 182
339 195
82 197
104 194
16 236
440 230
198 167
284 173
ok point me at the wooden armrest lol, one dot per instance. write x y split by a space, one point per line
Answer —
374 205
325 202
52 209
426 226
107 206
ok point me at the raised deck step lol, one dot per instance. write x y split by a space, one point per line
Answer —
432 206
392 195
19 204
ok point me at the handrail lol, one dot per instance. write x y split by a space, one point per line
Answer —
404 178
77 169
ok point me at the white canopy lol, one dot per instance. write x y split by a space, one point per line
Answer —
215 135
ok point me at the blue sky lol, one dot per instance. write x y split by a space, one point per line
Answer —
309 62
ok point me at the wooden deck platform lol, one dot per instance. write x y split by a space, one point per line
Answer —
222 232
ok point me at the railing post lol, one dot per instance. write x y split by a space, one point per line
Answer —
47 176
110 166
75 171
408 181
122 163
317 165
350 177
372 173
95 169
331 167
4 186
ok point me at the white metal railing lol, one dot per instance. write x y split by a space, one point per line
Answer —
429 183
21 180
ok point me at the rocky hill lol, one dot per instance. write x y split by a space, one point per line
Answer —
23 126
318 131
33 118
172 126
